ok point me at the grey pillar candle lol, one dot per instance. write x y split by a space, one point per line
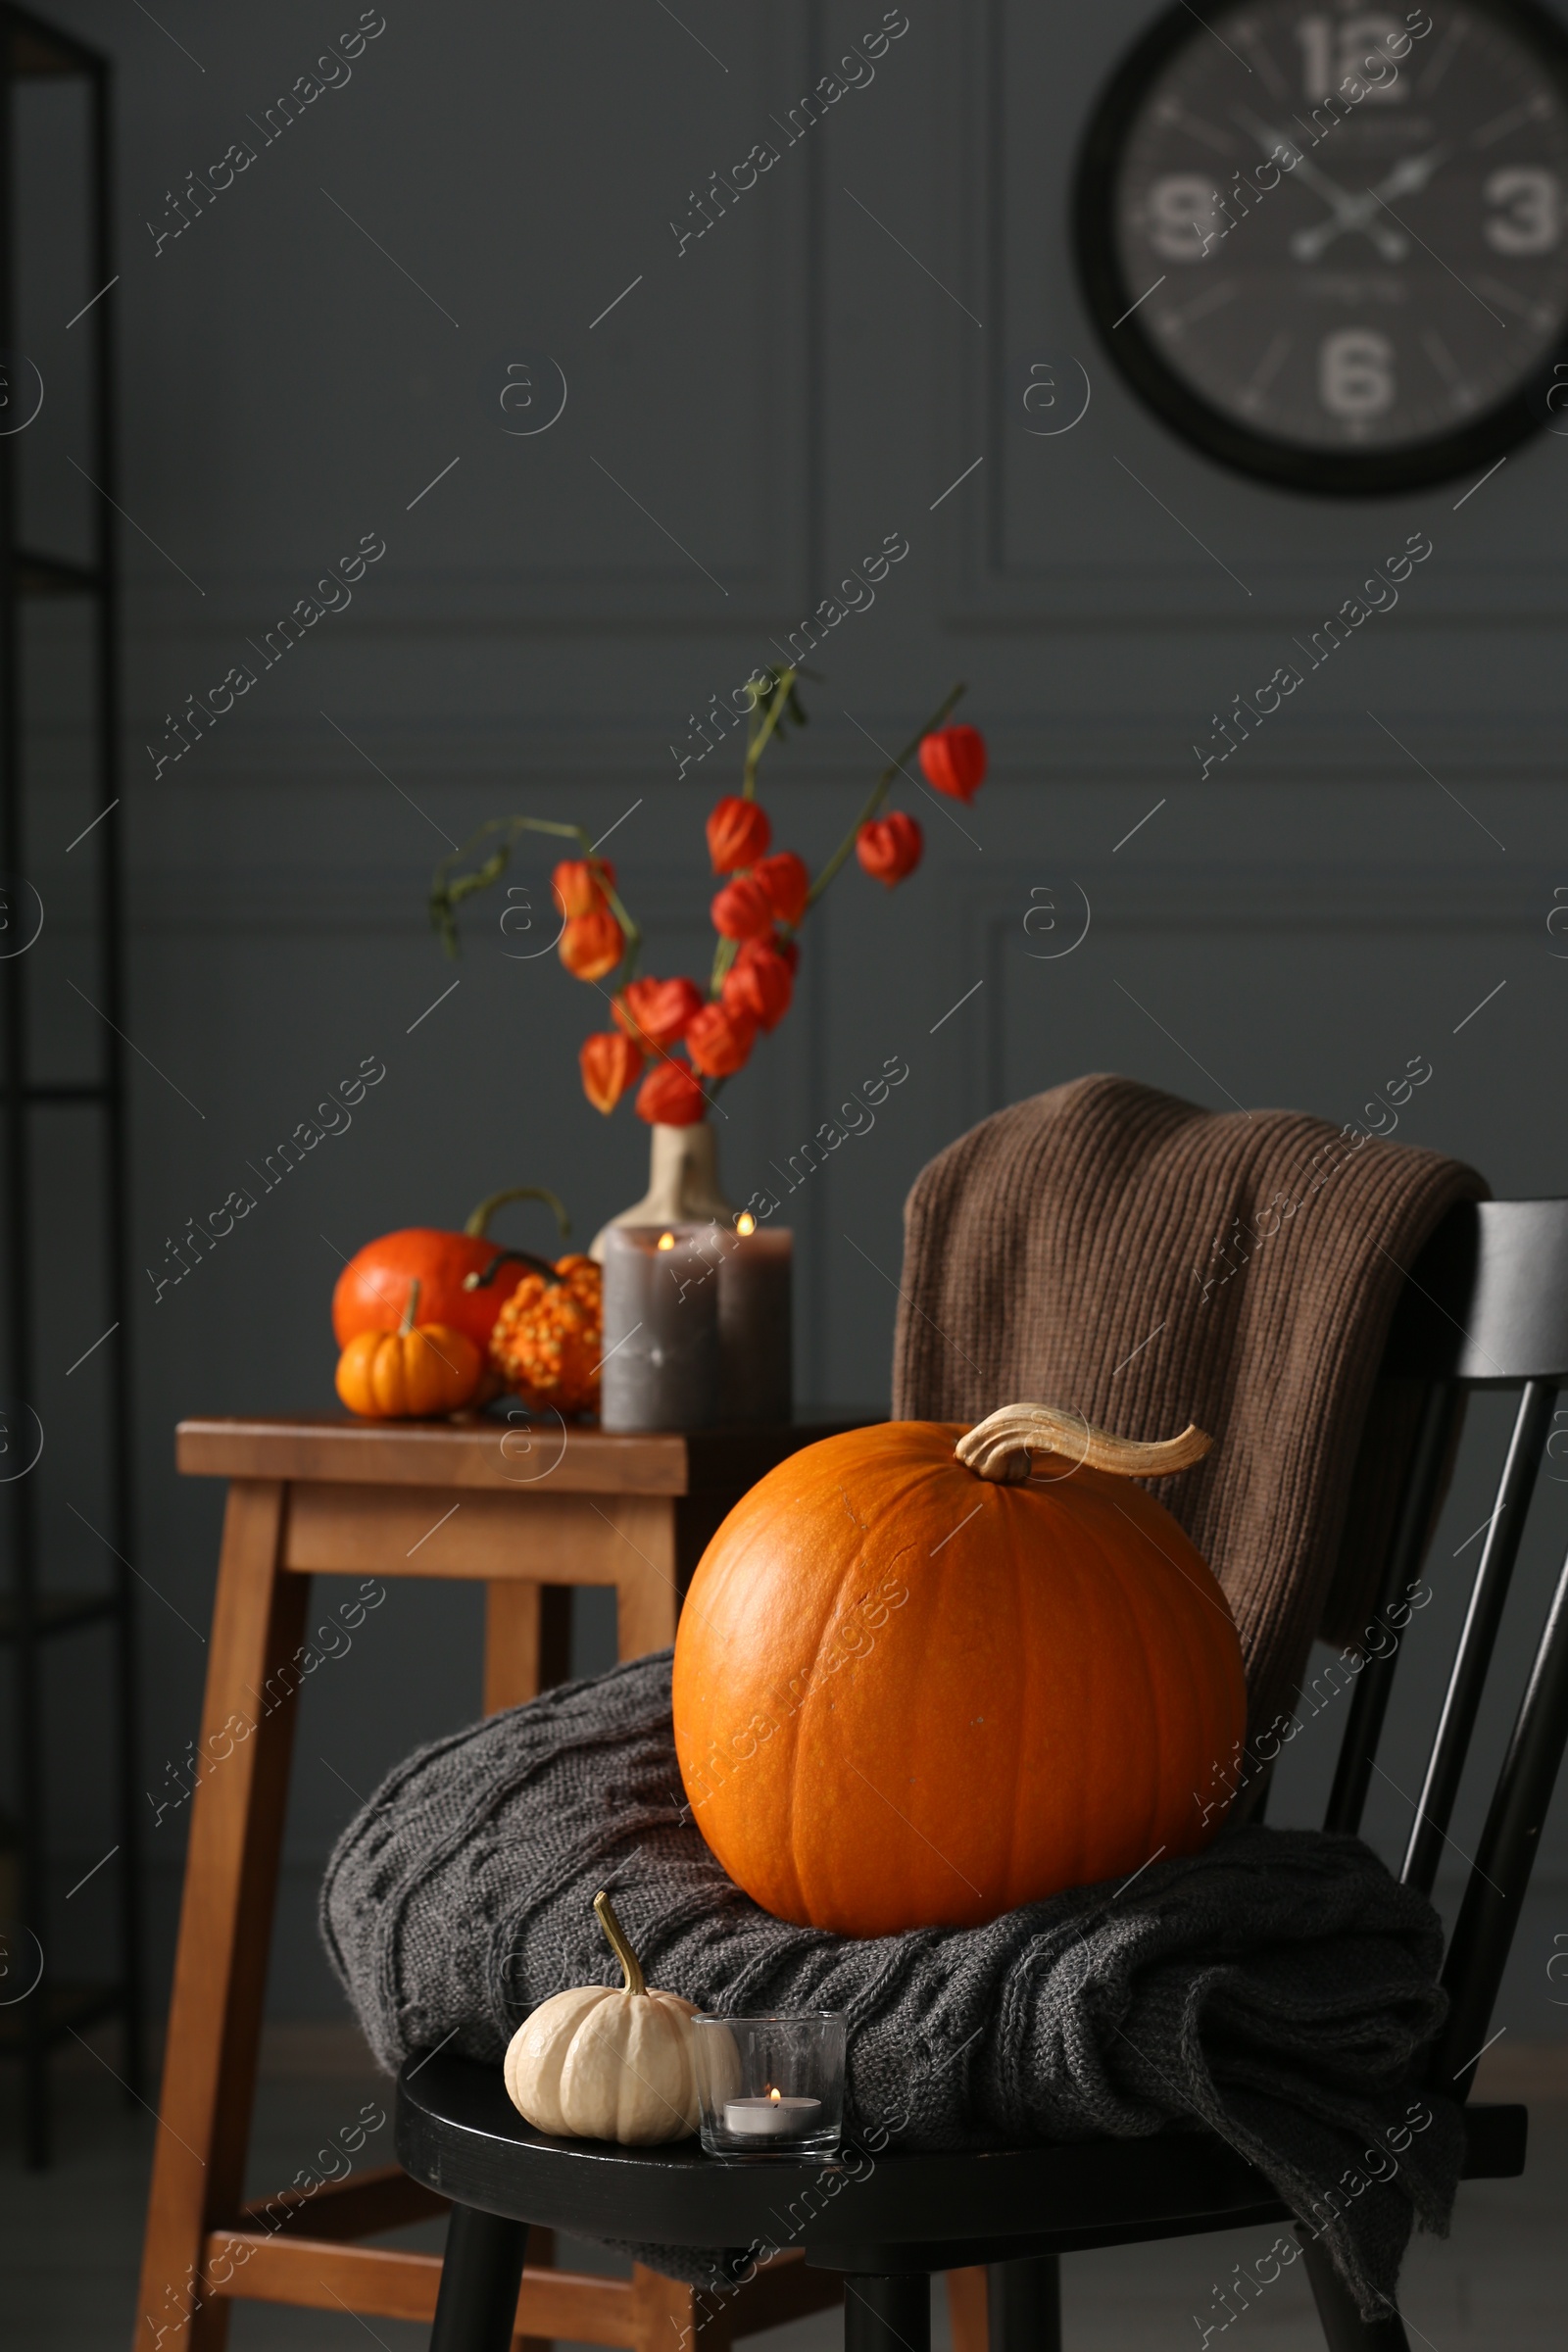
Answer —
661 1360
755 1323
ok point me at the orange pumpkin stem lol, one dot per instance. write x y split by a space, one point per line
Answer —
410 1310
1003 1446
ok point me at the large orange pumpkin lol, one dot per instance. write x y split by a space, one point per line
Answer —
465 1278
917 1686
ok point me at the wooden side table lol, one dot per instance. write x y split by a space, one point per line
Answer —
528 1512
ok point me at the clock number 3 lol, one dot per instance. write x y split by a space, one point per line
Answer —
1530 215
1355 373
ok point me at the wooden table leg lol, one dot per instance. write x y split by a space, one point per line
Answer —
236 1833
966 2310
527 1641
541 2257
647 1589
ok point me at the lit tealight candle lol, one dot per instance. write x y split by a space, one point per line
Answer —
770 2116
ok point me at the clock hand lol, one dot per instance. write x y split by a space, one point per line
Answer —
1410 177
1329 189
1360 213
1407 178
1349 212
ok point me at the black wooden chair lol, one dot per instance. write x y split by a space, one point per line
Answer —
1485 1306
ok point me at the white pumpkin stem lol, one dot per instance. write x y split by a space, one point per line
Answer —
620 1944
410 1310
1001 1448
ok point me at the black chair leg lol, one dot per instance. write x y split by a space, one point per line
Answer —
885 2313
478 2305
1344 2329
1023 2305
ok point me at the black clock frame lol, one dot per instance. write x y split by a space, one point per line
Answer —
1373 474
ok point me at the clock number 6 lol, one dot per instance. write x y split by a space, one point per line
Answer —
1355 373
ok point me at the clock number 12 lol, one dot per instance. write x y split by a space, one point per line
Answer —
1333 53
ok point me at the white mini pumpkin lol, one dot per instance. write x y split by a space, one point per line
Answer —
597 2063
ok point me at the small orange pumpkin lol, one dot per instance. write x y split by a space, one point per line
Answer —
549 1339
917 1686
412 1374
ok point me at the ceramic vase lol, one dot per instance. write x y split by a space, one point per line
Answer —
683 1187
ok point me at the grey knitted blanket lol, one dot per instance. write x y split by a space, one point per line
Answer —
1275 1990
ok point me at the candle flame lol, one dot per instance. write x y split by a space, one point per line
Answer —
667 1240
746 1222
772 2094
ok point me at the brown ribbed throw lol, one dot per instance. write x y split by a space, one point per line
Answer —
1150 1264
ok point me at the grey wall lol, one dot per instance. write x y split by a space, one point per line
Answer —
780 395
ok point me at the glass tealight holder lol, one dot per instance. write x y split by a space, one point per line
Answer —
771 2086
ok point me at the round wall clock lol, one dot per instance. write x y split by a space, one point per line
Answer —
1328 243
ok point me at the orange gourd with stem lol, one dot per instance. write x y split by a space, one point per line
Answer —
549 1339
415 1373
924 1677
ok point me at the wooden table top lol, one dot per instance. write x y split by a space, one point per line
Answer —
520 1456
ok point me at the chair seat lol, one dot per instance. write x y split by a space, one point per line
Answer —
459 2133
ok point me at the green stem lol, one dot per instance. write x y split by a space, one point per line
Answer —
879 793
511 1257
478 1225
446 897
756 745
725 955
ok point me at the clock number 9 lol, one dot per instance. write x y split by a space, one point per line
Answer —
1355 373
1532 215
1182 224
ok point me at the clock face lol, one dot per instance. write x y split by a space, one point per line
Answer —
1329 243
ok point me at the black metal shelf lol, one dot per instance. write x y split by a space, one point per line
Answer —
66 2008
35 48
56 1613
54 576
85 1089
34 1608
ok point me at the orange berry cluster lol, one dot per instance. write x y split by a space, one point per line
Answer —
548 1340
